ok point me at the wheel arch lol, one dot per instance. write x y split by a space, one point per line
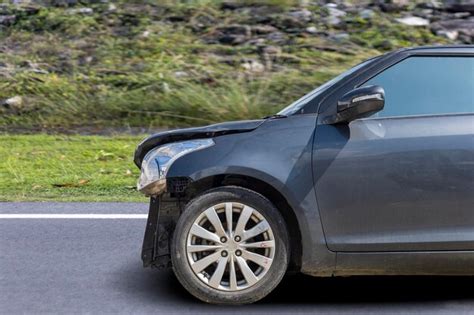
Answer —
199 186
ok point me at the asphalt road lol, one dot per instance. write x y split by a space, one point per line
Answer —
92 265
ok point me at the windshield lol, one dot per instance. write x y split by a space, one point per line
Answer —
297 105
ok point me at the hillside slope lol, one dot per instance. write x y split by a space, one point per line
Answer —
65 64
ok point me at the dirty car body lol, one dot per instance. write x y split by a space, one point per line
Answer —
361 192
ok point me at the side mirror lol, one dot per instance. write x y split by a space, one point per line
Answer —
358 103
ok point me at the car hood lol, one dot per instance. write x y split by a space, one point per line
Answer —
193 133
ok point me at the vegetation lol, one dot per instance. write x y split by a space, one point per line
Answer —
157 64
68 168
162 63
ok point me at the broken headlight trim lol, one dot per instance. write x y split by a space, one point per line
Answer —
157 161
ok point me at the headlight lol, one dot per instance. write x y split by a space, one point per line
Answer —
156 163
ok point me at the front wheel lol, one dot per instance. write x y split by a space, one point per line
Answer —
230 246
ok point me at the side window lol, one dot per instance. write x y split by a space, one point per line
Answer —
427 86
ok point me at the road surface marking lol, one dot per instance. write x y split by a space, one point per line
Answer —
71 216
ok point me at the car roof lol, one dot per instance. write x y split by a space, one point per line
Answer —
439 49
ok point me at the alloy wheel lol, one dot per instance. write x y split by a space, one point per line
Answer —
230 246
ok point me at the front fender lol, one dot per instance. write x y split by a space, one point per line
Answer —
278 153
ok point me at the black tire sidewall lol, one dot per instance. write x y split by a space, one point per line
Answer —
193 209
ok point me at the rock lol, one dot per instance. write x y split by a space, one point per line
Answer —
230 39
255 14
366 14
13 104
457 24
269 55
431 4
231 34
263 29
302 15
15 101
335 15
112 7
181 74
64 3
202 21
339 37
85 11
459 5
461 15
413 21
7 20
392 5
232 5
87 60
466 36
235 29
277 38
434 4
333 11
253 66
312 30
256 42
271 50
401 3
452 35
177 18
425 13
332 20
331 5
463 27
290 24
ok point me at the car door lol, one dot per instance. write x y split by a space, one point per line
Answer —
403 179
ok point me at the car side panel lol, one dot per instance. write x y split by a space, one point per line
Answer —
399 184
278 153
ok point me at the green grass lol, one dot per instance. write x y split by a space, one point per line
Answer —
68 168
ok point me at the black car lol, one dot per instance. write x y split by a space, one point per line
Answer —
371 173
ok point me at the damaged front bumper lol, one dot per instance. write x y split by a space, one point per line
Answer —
163 215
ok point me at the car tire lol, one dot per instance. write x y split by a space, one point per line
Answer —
227 280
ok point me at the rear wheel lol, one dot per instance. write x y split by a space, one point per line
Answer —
230 246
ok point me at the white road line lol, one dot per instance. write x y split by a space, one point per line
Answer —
71 216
